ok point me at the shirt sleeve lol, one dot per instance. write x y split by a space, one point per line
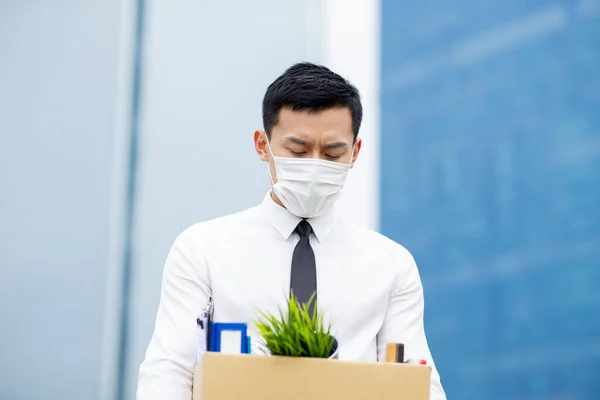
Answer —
403 321
168 367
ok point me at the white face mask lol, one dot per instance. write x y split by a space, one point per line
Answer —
307 187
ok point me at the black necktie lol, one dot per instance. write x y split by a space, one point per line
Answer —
304 268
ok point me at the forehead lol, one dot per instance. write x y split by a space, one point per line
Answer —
334 124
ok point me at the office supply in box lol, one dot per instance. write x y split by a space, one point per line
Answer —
230 338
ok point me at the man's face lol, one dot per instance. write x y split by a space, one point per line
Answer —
326 135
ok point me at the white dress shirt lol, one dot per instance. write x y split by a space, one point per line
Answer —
368 287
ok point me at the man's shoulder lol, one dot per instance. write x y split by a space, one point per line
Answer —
220 227
372 239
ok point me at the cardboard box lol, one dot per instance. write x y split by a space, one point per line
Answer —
254 377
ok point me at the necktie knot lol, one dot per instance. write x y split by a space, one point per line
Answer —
303 228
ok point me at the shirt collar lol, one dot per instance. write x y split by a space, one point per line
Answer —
285 222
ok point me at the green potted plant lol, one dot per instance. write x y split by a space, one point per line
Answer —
297 332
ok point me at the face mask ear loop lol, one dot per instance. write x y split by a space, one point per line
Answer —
273 157
351 158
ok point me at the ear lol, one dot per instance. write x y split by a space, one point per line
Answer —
357 147
260 145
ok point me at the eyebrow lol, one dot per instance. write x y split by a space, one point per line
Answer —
301 142
335 145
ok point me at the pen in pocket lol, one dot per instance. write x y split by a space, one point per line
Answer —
203 329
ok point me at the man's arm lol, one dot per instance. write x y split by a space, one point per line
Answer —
167 370
403 321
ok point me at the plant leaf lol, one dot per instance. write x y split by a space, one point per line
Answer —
296 332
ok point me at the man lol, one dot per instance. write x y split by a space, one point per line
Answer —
367 285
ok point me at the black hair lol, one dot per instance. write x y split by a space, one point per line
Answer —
310 87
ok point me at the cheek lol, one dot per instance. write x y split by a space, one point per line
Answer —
278 151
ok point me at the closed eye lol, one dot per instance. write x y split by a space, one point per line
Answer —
298 153
333 157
